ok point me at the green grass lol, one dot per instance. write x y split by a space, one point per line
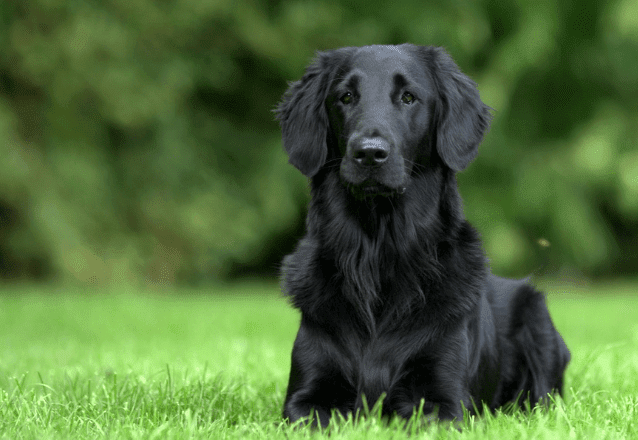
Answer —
192 365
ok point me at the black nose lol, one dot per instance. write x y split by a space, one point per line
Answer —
371 152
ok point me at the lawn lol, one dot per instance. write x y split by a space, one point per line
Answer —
213 363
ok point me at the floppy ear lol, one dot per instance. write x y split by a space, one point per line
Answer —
462 117
303 117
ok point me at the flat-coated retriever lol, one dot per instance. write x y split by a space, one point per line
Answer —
394 289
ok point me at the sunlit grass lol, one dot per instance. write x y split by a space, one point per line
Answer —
213 363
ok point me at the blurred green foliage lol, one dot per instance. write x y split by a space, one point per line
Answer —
137 140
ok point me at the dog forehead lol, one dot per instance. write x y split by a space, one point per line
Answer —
386 60
380 57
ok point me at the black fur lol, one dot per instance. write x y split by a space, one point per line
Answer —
394 290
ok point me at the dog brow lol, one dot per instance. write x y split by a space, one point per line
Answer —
399 81
352 80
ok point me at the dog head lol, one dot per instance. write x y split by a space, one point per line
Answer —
381 113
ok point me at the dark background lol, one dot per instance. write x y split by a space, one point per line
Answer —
137 142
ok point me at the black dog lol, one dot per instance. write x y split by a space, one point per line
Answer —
395 293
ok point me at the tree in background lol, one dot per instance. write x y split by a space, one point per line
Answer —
137 139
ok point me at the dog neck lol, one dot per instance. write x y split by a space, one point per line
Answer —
381 247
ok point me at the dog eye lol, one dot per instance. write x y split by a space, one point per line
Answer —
346 98
407 98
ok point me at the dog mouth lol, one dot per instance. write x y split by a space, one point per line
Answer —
372 188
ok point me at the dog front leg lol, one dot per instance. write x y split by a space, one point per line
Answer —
317 386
